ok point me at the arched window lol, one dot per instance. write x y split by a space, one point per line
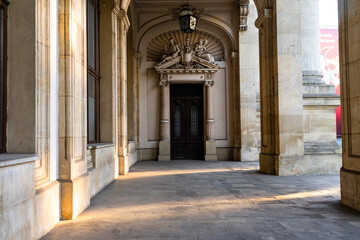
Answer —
3 75
93 70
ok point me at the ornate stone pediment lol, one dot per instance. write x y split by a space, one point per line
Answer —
186 58
176 65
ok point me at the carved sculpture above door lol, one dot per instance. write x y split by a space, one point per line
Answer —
213 45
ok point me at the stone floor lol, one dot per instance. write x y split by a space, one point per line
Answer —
213 200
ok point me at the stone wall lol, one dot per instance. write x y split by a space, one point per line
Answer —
17 194
101 171
30 192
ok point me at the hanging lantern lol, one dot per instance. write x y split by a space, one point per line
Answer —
188 20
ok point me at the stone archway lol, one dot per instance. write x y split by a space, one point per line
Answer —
152 37
282 145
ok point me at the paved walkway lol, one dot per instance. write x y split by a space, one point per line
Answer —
213 200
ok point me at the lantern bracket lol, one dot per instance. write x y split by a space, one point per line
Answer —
197 12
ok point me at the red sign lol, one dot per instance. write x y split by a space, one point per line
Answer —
329 62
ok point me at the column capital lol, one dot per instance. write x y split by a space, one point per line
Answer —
209 79
164 81
209 76
209 83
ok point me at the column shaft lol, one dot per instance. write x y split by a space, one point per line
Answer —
210 136
164 143
210 146
123 148
322 152
73 175
165 114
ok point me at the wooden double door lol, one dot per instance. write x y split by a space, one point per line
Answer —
187 122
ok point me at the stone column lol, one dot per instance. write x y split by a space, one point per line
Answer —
73 175
115 87
282 138
349 23
310 41
123 26
164 143
137 101
210 145
248 88
322 152
237 106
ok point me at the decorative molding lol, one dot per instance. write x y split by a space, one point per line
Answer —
214 45
313 77
244 12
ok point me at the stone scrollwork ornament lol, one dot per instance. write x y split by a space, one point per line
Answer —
244 12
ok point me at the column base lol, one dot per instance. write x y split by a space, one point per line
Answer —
210 151
75 196
164 151
236 154
350 185
267 163
291 165
124 164
322 157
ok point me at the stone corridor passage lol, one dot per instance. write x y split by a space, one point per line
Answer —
213 200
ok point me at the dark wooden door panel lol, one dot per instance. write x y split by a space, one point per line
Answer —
187 124
178 151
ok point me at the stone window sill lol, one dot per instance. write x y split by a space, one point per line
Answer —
10 159
99 145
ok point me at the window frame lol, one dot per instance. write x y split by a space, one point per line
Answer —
4 4
94 72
